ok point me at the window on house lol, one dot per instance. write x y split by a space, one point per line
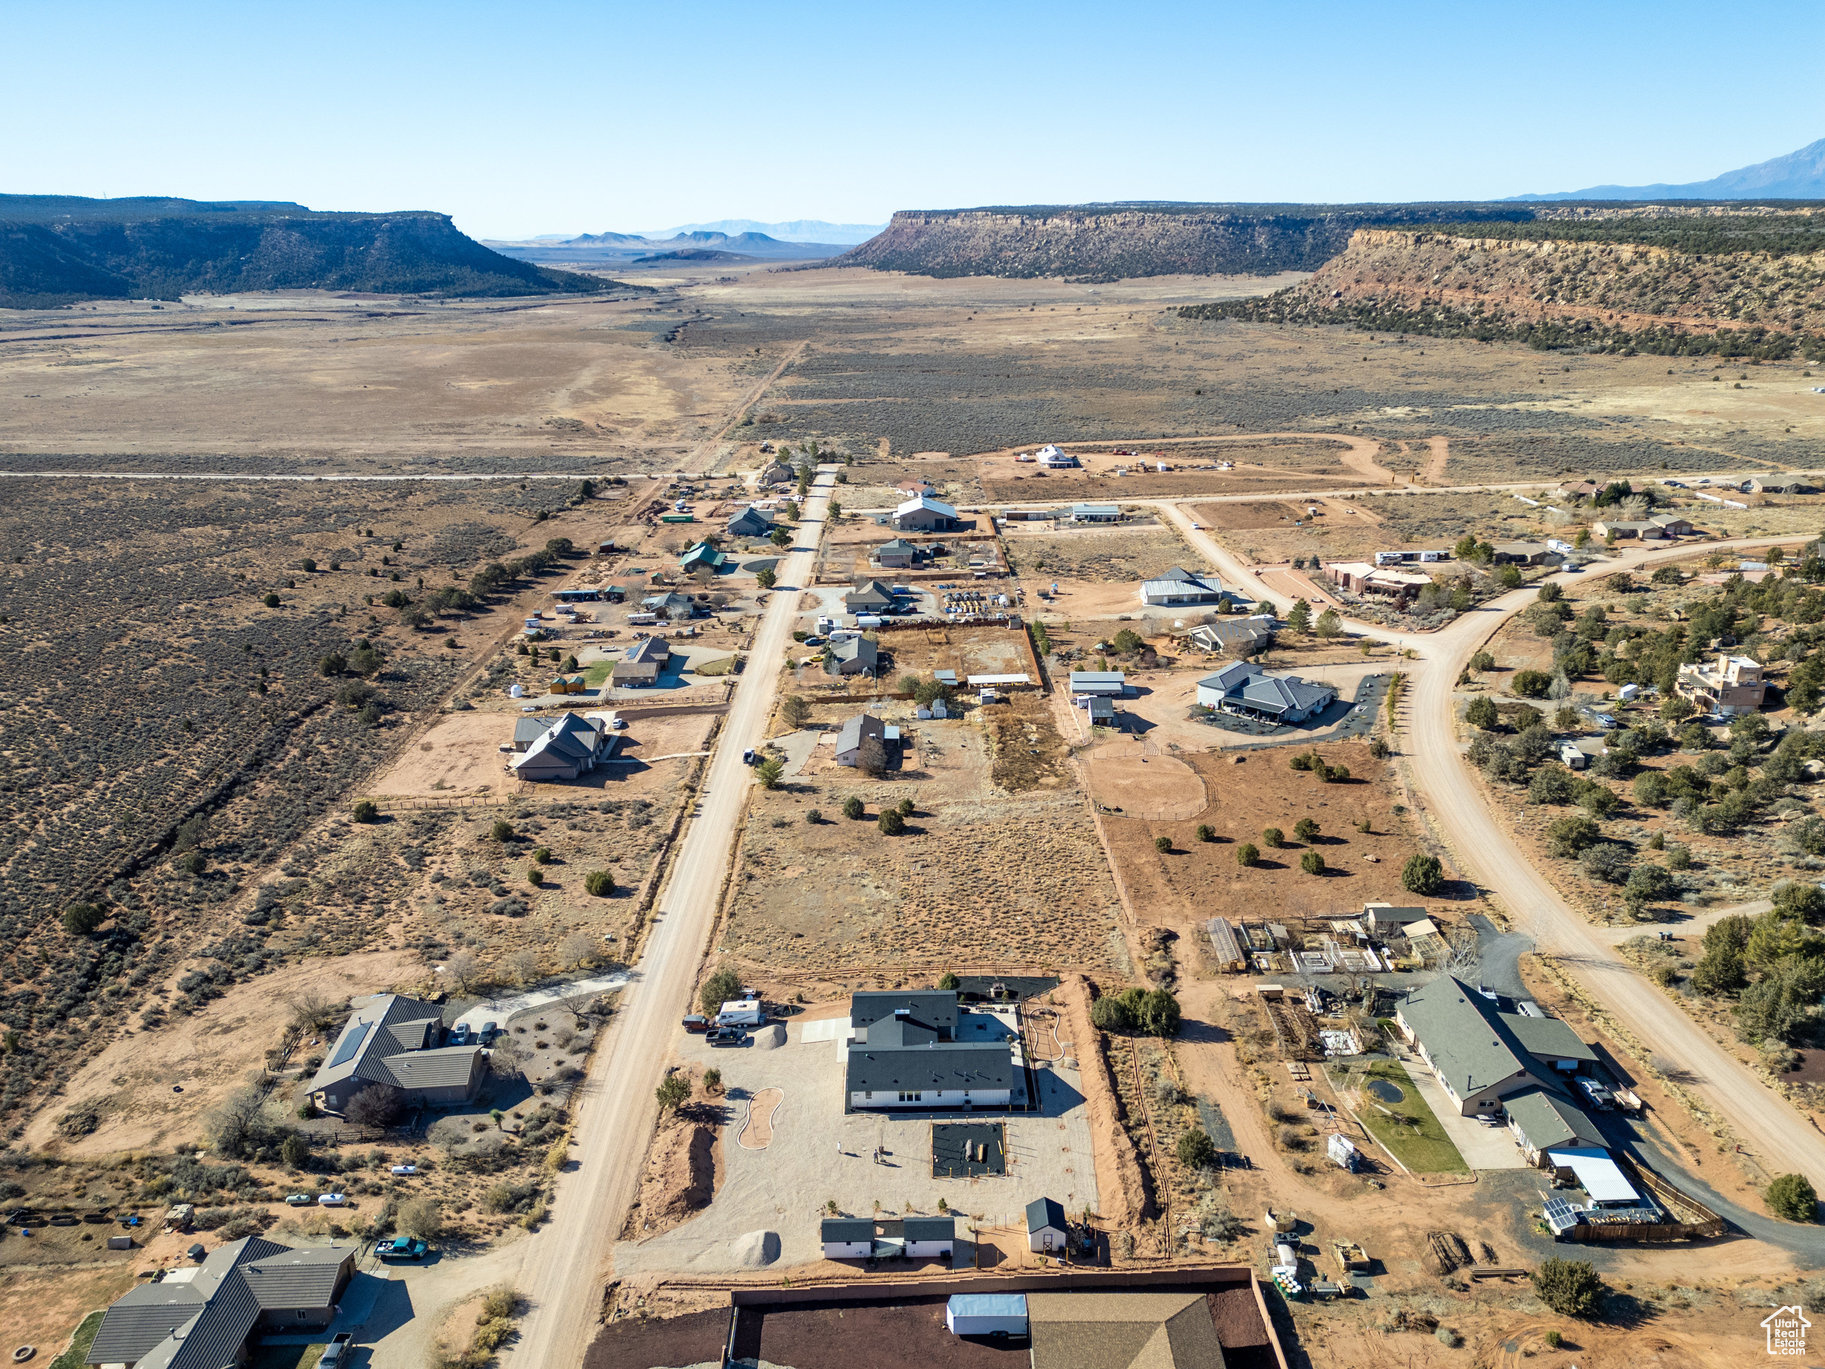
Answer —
912 1096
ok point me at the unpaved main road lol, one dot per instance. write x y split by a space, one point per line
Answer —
566 1263
1765 1123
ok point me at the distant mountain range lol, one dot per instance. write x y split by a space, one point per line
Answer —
58 249
792 230
698 244
1796 176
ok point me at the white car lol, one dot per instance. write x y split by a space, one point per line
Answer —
403 1169
333 1200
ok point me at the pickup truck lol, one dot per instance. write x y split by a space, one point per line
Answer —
336 1352
402 1248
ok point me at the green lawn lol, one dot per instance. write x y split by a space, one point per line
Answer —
1413 1133
79 1346
597 672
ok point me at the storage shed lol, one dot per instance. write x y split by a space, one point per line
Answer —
847 1238
1047 1229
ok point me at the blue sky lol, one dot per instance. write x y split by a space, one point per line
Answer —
563 117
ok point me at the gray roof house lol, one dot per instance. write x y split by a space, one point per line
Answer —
1111 683
393 1040
1245 688
1176 585
1234 636
202 1317
564 748
642 663
937 1007
673 605
1483 1054
898 554
922 513
900 1059
1543 1120
1385 917
750 522
864 727
870 596
854 656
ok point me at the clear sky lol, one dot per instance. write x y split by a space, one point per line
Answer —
567 117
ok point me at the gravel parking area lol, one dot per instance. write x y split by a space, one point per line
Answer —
818 1154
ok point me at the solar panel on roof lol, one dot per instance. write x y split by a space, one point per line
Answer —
1561 1216
350 1043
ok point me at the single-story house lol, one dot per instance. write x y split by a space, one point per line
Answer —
847 1238
1673 525
1778 484
1384 917
1482 1053
777 472
1359 577
1101 710
899 554
1542 1120
1244 688
1524 554
750 522
641 664
1055 458
912 1057
203 1316
703 556
1578 489
560 748
1176 585
863 730
395 1041
1096 513
1109 683
1234 636
922 513
854 656
1622 529
1047 1229
912 489
871 596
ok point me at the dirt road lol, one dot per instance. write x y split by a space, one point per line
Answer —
1765 1123
566 1264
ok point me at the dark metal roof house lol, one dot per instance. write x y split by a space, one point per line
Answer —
391 1040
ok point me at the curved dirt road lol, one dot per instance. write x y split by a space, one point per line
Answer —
1764 1122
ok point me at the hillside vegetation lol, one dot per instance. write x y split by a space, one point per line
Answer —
56 250
1749 285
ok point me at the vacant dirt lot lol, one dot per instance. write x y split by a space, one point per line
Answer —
152 1088
1249 791
997 824
1103 554
966 650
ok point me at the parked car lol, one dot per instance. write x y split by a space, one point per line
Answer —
748 756
1596 1095
728 1036
459 1034
490 1030
336 1351
332 1200
300 1200
402 1248
697 1023
403 1169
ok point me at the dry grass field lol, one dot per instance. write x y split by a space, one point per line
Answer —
1000 865
1106 554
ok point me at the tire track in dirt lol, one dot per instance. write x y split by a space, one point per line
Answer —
1433 472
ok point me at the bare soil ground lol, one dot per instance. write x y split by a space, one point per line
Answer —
998 822
966 650
1198 880
1121 553
1279 463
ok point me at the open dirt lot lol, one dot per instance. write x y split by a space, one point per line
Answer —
1198 880
997 823
966 650
1127 553
151 1088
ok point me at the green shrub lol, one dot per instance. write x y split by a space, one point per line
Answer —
673 1092
1570 1287
502 830
599 883
1247 854
1273 838
1422 874
1206 832
1792 1196
1195 1149
1162 844
1312 863
891 823
852 807
718 989
366 810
